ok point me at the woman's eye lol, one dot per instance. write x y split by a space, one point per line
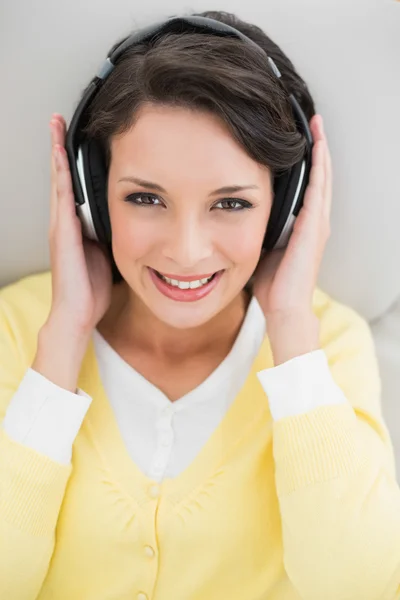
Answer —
233 204
142 199
229 204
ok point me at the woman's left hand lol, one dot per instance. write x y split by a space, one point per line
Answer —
286 278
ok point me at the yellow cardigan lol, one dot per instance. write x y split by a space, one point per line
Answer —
306 508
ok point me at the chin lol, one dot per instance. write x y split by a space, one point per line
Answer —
184 315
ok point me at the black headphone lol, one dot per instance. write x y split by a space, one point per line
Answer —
87 161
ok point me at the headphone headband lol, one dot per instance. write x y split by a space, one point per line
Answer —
179 25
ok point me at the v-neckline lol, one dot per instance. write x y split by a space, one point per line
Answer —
101 424
216 378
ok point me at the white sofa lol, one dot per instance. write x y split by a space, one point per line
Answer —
349 54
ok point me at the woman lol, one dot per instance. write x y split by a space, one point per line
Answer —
209 426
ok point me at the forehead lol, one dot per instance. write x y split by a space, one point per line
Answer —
167 138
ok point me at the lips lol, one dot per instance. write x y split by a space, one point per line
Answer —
186 277
184 295
185 283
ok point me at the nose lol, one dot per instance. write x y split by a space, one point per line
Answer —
188 243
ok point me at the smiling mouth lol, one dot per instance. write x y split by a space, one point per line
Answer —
185 285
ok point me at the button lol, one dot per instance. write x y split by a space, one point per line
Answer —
142 596
148 550
163 423
168 410
154 491
160 463
166 440
157 470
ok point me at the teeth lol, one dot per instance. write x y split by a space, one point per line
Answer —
185 285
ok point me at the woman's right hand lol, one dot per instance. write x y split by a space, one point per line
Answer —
80 267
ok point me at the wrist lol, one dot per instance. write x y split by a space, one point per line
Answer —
292 335
60 353
65 326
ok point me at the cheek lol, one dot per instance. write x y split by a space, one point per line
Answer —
245 243
131 237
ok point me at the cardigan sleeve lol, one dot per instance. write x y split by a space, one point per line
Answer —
335 471
46 417
32 488
299 385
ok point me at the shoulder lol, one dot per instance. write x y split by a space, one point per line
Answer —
347 340
24 306
32 291
339 321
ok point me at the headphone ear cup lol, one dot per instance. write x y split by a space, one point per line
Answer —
96 187
278 209
97 182
285 206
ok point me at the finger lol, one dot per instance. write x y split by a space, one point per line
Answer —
59 130
65 197
328 181
57 127
53 182
316 182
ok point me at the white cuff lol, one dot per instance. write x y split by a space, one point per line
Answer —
299 385
46 417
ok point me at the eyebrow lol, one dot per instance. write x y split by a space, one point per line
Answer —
229 189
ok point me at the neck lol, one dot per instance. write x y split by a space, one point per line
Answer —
135 326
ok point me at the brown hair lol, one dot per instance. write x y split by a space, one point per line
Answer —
218 74
221 75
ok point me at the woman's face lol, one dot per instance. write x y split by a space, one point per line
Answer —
184 228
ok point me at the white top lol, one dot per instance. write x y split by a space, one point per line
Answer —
163 437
